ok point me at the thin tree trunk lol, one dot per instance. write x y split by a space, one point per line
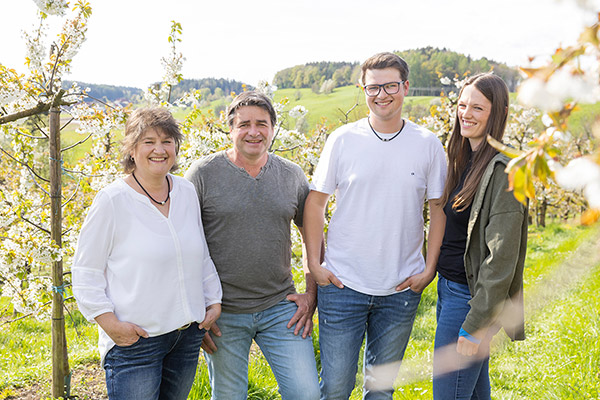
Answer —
543 210
426 221
60 362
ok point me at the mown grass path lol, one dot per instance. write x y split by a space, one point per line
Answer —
560 359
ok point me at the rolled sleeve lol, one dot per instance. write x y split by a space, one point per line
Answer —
89 265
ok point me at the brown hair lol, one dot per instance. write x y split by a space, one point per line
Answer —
251 98
382 61
495 90
138 123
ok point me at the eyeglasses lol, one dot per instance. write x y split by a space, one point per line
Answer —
390 88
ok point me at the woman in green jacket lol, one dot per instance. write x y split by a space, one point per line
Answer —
480 267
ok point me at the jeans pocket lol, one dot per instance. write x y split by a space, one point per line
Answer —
132 345
458 289
325 286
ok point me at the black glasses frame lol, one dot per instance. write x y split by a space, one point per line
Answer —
382 86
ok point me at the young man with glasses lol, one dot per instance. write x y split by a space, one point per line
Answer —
382 169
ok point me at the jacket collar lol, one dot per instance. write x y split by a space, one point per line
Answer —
478 199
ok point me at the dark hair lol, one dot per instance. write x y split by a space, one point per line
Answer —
251 98
138 123
382 61
495 90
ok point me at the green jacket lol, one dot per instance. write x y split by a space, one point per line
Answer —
495 255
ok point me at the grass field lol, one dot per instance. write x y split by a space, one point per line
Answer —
559 360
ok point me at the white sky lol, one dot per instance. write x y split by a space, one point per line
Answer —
252 40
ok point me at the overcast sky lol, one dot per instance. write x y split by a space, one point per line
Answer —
252 40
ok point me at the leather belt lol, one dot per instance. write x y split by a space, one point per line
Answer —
185 326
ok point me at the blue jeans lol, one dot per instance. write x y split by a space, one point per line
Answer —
345 316
291 357
469 376
155 368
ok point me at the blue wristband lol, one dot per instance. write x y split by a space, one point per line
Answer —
470 338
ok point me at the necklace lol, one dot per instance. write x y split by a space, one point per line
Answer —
385 139
162 203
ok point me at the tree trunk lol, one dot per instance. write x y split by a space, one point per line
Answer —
543 210
425 222
60 362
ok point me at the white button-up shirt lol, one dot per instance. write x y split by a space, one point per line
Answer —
148 269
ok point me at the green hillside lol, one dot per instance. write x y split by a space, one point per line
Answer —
335 105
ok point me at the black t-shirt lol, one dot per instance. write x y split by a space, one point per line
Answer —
451 261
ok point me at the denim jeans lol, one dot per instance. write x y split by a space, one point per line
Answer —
469 378
155 368
291 357
345 316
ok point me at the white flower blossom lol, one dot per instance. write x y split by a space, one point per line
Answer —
52 7
298 111
534 93
562 86
173 66
266 88
557 134
189 99
445 81
582 174
36 50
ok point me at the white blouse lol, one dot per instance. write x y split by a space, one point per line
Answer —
148 269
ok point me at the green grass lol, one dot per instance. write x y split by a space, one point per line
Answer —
559 360
330 109
333 107
26 349
547 249
561 357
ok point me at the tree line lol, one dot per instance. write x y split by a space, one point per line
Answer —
427 66
210 88
108 92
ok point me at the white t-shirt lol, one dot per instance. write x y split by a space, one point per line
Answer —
375 236
148 269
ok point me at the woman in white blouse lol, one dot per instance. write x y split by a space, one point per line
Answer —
142 270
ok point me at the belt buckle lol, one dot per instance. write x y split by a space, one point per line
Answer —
185 326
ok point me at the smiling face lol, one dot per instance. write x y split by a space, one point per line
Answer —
154 154
251 133
386 109
473 113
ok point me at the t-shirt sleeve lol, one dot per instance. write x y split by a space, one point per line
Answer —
303 189
193 174
437 171
325 176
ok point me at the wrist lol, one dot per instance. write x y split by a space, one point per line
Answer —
469 337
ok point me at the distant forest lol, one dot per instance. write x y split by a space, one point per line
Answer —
109 92
426 64
211 89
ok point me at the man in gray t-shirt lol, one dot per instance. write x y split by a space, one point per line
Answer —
248 199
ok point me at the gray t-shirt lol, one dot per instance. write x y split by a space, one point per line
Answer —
247 226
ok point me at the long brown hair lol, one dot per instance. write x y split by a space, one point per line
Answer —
495 90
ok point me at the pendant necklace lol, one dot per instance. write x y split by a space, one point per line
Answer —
385 139
162 203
